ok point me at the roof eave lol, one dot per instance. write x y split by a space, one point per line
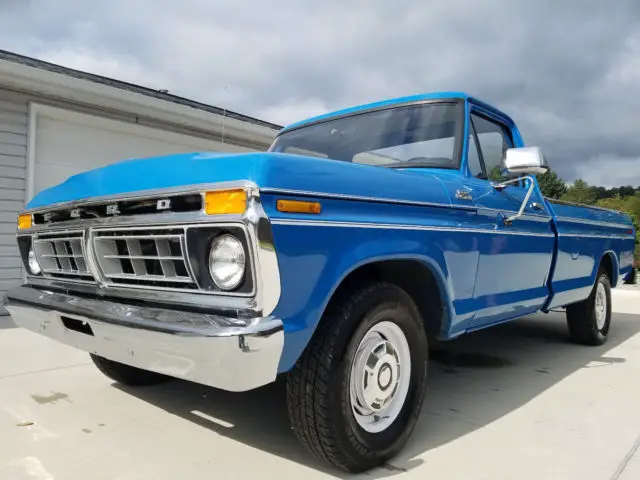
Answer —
28 78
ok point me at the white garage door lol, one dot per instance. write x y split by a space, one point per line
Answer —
67 143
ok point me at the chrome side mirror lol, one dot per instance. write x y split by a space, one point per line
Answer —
525 160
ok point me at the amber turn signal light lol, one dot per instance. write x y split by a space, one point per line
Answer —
25 221
296 206
225 201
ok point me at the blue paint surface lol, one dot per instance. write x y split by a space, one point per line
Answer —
487 272
581 247
268 170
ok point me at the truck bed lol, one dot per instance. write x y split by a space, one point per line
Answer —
586 234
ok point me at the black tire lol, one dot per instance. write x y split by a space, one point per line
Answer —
582 317
126 374
318 393
632 277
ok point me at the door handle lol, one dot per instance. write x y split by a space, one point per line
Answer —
575 252
536 206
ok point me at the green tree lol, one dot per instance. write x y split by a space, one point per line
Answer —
580 192
629 205
495 174
627 191
602 192
551 185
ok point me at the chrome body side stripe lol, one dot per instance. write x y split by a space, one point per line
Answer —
391 226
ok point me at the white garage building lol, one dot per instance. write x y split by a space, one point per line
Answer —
56 122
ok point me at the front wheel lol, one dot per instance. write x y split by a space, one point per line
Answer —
589 321
355 395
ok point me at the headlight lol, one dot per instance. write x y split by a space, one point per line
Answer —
34 266
227 262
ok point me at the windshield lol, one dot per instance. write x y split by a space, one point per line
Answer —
422 135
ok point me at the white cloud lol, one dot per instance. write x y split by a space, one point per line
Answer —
568 72
290 112
610 171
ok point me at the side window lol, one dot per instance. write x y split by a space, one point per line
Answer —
494 139
473 158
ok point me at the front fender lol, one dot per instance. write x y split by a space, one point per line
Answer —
314 260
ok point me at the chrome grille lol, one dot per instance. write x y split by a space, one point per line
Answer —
62 256
145 258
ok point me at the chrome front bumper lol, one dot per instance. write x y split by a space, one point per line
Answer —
228 353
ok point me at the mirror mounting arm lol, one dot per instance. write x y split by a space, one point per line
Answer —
501 186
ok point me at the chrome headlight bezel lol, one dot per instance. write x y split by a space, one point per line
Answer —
227 262
33 266
25 247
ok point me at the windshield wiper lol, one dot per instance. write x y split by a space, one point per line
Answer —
420 164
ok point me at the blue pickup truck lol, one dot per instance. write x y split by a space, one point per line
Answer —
335 258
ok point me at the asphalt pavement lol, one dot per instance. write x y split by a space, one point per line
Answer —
517 401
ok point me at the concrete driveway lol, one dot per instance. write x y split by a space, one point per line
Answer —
513 402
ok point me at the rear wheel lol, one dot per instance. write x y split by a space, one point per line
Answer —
356 393
589 321
126 374
632 277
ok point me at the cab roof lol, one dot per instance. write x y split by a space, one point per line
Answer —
396 101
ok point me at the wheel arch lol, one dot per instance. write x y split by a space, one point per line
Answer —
609 261
415 275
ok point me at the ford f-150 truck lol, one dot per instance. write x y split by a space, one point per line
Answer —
333 258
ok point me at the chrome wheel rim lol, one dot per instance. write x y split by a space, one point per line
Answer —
380 376
601 306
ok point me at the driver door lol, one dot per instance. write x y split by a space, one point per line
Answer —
514 258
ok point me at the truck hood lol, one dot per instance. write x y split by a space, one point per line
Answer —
267 170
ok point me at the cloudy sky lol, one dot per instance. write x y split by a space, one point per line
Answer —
568 72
